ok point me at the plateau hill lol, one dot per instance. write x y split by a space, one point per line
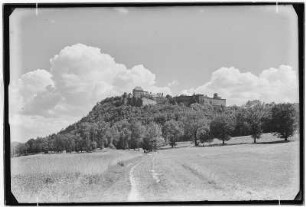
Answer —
124 122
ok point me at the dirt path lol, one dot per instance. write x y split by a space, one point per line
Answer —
246 172
234 172
134 194
160 178
144 179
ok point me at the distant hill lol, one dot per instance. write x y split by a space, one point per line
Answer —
114 111
123 122
106 123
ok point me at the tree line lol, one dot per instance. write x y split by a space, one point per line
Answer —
115 124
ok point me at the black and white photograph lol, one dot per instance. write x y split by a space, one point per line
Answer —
137 103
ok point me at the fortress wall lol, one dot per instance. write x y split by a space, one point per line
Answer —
186 100
208 100
218 102
152 99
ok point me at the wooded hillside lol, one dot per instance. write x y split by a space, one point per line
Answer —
122 123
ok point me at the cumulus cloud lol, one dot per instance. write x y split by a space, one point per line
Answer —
138 75
79 77
271 85
27 88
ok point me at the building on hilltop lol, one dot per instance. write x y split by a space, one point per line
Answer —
201 99
138 92
217 100
146 97
149 98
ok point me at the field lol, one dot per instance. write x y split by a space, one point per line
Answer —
69 177
239 170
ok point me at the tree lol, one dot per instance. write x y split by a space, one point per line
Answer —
44 145
86 144
100 138
160 118
125 138
283 119
78 143
267 124
124 134
256 111
93 145
69 142
51 145
203 134
31 146
18 149
170 99
38 144
137 133
192 121
59 143
172 130
153 138
221 127
242 127
112 136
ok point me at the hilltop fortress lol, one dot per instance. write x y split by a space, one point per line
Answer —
149 98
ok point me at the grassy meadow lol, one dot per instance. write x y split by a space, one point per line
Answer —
66 177
239 170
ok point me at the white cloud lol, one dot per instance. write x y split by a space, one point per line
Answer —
34 82
44 101
271 85
27 88
24 127
83 75
138 75
173 83
79 77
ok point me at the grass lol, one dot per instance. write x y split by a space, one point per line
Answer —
240 170
267 138
65 177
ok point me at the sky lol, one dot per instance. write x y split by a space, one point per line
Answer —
65 60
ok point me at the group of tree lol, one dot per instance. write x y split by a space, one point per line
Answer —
114 124
255 118
87 137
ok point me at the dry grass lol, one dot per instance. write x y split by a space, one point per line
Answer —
266 138
240 170
232 172
64 177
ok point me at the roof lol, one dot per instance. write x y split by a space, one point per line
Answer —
138 88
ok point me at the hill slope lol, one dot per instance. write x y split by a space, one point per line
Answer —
119 122
124 123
